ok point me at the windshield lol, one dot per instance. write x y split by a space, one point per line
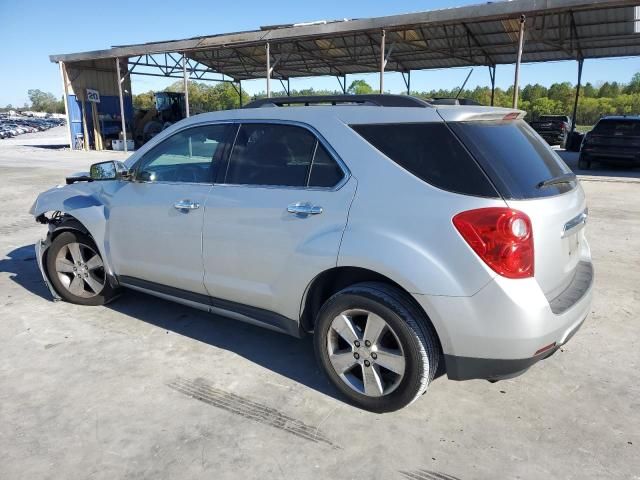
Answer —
515 158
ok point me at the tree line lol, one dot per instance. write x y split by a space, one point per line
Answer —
608 98
40 102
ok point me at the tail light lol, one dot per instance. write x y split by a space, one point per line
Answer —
502 238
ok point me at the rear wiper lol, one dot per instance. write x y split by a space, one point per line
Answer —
564 178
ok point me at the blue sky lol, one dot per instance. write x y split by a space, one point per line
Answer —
31 30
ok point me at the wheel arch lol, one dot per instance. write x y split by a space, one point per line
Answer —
331 281
61 222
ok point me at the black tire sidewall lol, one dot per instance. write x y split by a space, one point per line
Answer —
406 392
584 162
60 241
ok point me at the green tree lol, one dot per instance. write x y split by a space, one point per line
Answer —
634 85
533 92
359 87
42 101
589 90
609 89
143 101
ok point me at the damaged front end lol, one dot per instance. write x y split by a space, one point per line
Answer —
43 244
72 207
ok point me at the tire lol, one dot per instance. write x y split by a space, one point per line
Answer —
76 271
583 162
406 333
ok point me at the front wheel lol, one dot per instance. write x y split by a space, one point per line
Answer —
76 270
376 347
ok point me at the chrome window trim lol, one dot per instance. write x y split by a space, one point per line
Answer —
346 173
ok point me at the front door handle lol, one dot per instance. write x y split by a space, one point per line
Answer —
304 209
186 205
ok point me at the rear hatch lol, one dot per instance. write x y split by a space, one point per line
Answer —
616 134
520 165
549 125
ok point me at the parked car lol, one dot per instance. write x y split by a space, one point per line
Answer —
409 239
614 139
554 129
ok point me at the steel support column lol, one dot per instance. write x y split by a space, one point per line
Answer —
382 60
122 116
268 71
575 104
240 91
516 80
407 81
185 80
65 90
343 83
492 74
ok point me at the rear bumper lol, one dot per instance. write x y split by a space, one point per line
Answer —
468 368
508 326
627 155
552 137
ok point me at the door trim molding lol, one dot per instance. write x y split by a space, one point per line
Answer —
226 308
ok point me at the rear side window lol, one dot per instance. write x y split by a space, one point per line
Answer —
325 171
280 155
514 156
431 152
618 128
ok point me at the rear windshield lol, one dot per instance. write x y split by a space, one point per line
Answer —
617 127
515 158
431 152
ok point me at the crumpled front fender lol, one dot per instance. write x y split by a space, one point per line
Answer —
85 202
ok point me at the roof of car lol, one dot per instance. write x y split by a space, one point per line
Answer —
621 117
349 113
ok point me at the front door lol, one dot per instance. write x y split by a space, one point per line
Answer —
155 224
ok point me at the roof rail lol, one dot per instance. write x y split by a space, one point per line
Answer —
384 100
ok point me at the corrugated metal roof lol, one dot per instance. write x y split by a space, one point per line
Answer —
466 36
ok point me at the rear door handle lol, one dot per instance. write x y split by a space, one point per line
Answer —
186 205
304 209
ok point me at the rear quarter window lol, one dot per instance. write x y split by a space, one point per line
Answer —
431 152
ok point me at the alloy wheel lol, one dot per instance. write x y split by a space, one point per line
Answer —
365 352
80 270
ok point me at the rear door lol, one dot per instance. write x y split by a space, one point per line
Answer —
517 161
276 220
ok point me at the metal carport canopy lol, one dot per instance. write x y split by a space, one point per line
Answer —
484 34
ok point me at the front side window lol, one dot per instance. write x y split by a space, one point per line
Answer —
190 156
280 155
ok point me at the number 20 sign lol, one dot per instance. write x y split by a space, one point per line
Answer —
93 96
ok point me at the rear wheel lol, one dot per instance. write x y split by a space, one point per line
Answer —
583 162
76 270
376 347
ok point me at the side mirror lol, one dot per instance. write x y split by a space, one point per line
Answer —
112 170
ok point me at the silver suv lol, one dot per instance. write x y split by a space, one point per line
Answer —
412 240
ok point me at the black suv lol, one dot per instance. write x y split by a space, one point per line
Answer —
613 140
